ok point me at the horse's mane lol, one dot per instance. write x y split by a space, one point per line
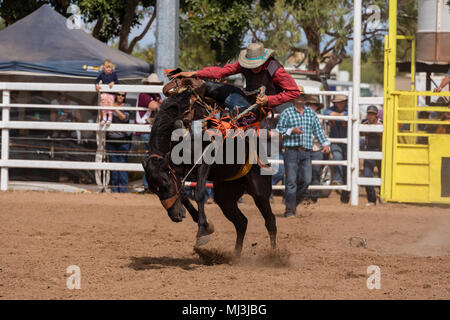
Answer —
170 110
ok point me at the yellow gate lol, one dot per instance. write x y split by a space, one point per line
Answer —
416 146
416 152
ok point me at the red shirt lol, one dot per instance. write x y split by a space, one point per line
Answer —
281 78
144 100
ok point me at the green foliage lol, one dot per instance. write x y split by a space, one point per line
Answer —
327 29
13 10
276 28
220 24
146 54
113 18
371 69
195 53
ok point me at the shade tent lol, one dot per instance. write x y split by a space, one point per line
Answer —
42 44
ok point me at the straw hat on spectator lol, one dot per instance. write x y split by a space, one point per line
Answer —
339 98
312 99
152 79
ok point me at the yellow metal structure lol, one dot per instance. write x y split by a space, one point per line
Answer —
416 159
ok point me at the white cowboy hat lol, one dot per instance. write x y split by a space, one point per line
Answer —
254 56
339 98
151 79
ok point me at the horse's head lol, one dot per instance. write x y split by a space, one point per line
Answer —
164 182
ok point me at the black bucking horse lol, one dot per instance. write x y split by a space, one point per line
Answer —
165 178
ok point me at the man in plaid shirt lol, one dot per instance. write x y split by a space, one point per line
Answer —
297 126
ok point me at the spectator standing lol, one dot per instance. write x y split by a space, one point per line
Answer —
373 142
271 125
297 125
151 101
119 145
338 129
314 103
107 76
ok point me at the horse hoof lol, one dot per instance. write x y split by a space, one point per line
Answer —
209 228
201 241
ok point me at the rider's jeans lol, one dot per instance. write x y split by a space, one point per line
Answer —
236 100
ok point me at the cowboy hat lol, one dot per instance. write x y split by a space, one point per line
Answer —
151 79
312 99
339 98
254 56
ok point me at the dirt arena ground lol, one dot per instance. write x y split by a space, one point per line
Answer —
127 248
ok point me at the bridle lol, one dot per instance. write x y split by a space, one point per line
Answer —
169 202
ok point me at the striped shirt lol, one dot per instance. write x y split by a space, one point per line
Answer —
291 118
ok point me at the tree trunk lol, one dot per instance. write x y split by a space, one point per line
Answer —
98 27
127 21
143 33
333 60
313 52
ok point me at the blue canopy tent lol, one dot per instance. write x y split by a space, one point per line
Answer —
42 44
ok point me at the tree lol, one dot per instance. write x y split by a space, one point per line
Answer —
195 53
111 18
276 28
147 54
13 10
327 27
116 18
217 24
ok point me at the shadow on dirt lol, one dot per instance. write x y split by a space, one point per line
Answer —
148 263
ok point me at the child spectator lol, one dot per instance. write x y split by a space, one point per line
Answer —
108 76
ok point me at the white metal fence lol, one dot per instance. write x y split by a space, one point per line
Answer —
6 124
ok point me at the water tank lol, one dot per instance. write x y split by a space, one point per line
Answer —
433 32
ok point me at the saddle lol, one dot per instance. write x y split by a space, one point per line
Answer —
177 86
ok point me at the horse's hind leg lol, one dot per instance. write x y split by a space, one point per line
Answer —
260 187
226 195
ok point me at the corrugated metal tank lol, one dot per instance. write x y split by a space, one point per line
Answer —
433 32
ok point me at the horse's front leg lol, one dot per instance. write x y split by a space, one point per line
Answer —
188 205
205 228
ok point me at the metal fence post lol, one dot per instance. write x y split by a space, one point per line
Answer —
354 196
350 141
5 141
167 43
